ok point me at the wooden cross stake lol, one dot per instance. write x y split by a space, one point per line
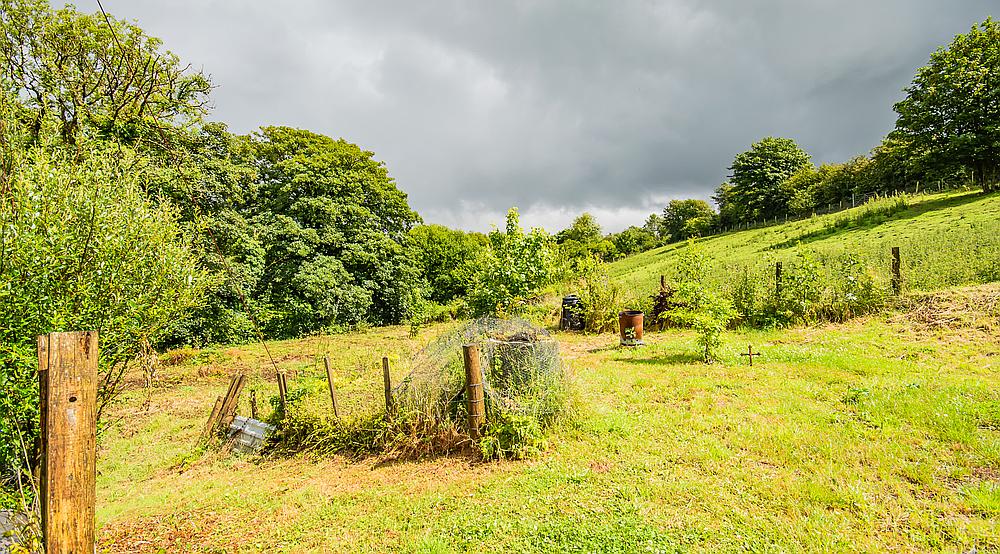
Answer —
750 354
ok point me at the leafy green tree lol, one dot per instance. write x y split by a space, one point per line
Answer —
730 213
517 265
654 226
683 219
758 174
330 218
952 107
92 74
584 230
448 259
633 240
584 239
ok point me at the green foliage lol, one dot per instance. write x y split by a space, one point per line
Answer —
701 308
93 74
755 189
583 239
516 266
683 219
600 296
334 233
949 115
633 240
512 437
448 259
81 248
584 230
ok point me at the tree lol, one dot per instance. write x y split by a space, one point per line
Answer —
94 74
654 226
952 107
633 240
329 218
515 267
700 306
584 230
448 259
679 219
757 177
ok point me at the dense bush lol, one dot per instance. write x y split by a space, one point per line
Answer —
81 248
448 259
600 296
515 268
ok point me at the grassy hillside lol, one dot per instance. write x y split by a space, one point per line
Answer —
880 434
945 239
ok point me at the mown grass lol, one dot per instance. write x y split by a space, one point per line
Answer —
878 434
948 239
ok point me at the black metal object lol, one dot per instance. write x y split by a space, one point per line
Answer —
572 313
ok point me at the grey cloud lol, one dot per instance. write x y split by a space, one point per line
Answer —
560 106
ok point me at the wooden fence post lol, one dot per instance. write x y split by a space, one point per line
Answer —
283 393
897 275
329 379
390 408
474 388
67 370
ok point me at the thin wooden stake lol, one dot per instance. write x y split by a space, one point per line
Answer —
212 418
329 380
897 274
228 411
283 393
474 389
68 375
390 407
253 403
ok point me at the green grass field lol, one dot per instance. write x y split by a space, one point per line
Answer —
881 434
946 240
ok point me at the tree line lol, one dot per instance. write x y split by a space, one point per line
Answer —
945 136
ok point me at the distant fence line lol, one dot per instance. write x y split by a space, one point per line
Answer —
831 208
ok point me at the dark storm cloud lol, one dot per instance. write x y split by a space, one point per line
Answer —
560 107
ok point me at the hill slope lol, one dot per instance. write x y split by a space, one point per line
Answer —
946 239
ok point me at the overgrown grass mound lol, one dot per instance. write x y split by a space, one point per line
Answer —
525 390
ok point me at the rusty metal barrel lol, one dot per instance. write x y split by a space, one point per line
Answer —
630 327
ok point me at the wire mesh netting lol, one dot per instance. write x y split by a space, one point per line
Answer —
522 372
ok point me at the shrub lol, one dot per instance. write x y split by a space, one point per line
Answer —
599 296
516 266
512 437
82 249
701 308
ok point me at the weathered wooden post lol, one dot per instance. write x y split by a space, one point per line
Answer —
390 408
283 393
212 418
329 380
474 388
777 279
897 274
67 375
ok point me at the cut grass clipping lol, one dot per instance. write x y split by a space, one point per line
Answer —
525 390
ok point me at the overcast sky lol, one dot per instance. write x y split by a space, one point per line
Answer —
565 106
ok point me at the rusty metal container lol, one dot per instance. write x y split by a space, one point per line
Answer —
630 327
